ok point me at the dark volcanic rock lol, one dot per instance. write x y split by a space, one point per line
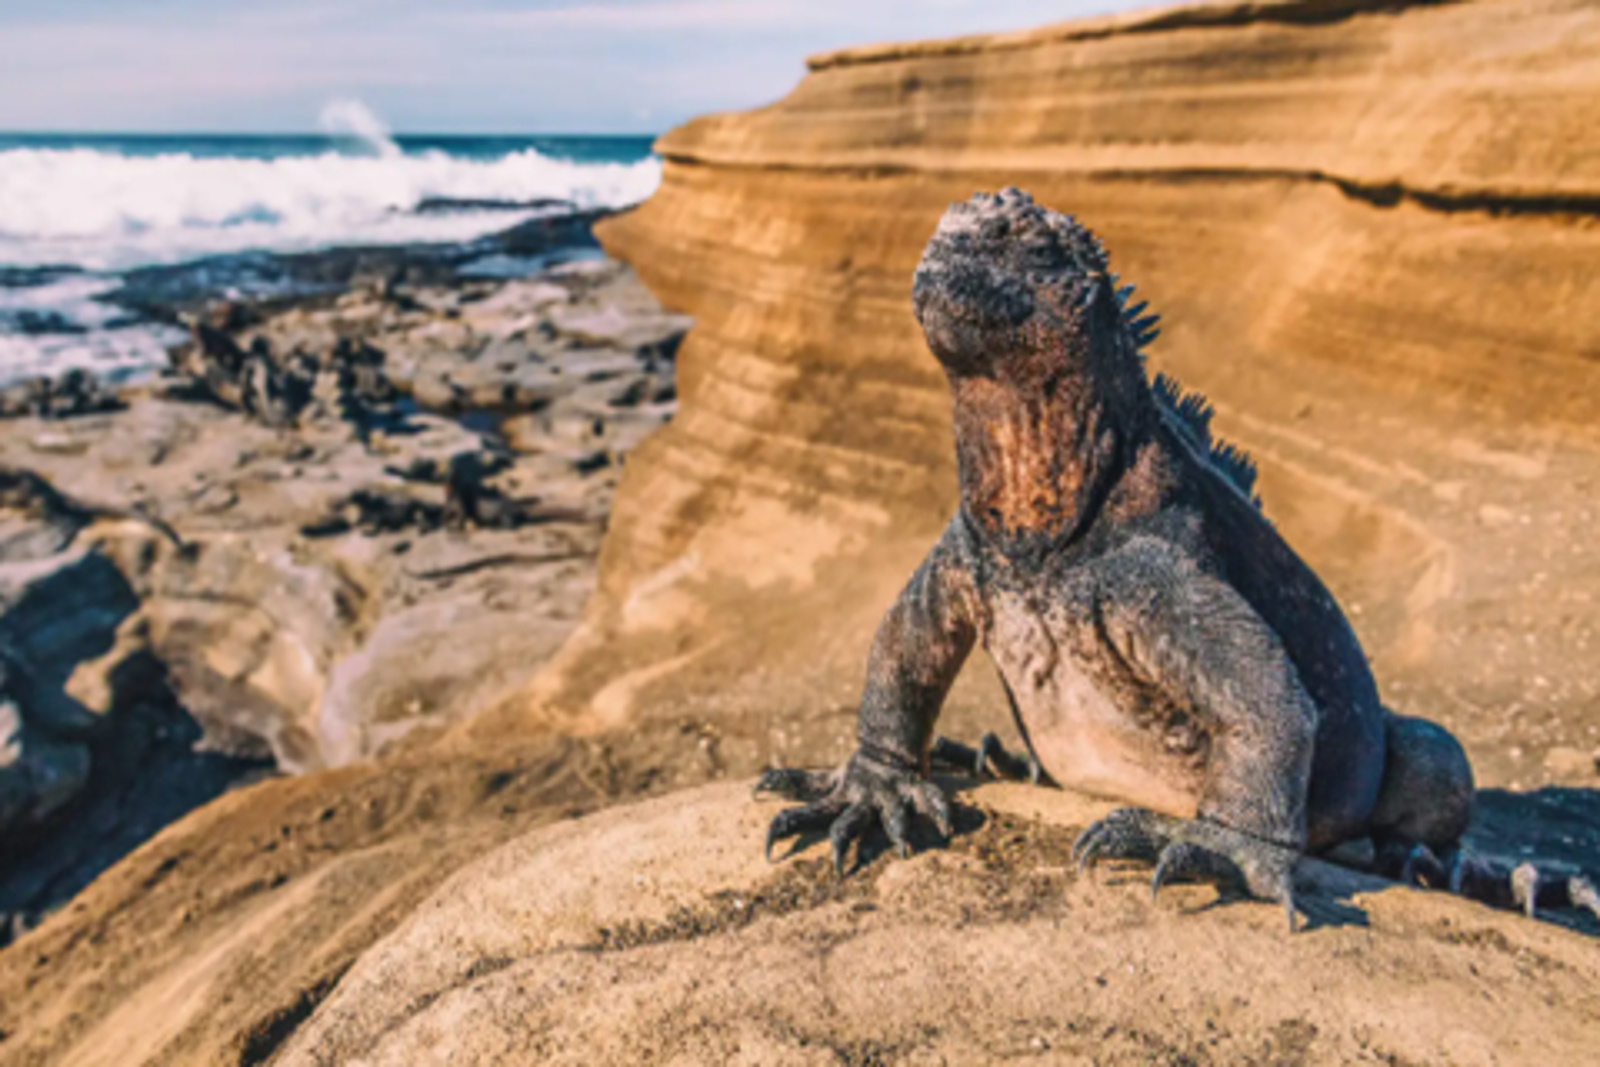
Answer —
332 529
444 205
31 323
33 277
167 293
77 392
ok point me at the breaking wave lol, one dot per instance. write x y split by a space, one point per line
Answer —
104 210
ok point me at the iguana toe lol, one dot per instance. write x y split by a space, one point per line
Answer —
990 757
929 800
797 785
1193 850
796 821
896 820
846 829
1183 861
954 756
1256 867
1125 834
1457 873
1417 865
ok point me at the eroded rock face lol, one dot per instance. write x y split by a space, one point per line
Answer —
58 612
95 751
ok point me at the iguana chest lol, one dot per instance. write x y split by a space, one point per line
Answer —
1090 727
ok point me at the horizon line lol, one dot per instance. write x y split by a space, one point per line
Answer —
322 134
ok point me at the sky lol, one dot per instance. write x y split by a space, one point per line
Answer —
442 66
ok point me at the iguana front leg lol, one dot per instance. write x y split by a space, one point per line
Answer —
920 647
1194 643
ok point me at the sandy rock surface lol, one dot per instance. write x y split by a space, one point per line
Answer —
657 934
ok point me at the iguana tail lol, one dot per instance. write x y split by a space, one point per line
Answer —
1425 804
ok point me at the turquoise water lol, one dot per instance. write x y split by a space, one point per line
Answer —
576 148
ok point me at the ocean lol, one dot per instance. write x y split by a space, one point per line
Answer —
78 211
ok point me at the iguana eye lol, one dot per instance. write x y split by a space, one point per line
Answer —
1040 255
995 228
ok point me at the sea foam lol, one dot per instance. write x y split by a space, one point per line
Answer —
106 211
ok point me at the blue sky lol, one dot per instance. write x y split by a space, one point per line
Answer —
442 65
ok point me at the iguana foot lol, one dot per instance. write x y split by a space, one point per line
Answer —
1527 888
870 788
1192 850
1421 867
990 755
1524 887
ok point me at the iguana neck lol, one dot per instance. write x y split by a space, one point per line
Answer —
1038 462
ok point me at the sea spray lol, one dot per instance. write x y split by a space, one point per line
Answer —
352 118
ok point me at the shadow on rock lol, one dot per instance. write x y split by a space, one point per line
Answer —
83 782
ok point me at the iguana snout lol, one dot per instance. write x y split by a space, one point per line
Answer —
1000 268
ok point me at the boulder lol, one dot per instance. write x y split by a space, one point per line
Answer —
657 934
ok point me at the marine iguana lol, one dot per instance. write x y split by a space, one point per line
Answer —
1159 641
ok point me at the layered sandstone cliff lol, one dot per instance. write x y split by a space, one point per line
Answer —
1371 230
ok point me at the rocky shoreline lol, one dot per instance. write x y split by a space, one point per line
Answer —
365 501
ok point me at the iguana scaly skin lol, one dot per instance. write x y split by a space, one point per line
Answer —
1160 642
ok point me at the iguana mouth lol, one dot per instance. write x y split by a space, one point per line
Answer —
995 262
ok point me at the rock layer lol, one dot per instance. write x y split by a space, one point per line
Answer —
1370 230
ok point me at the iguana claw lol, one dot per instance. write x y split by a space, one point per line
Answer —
989 757
1191 850
1525 888
1127 833
847 803
797 821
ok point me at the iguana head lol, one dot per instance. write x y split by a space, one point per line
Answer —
1050 391
1010 290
